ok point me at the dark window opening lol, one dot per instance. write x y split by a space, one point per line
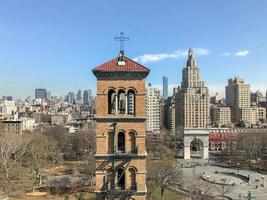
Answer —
111 143
121 142
121 179
133 179
133 143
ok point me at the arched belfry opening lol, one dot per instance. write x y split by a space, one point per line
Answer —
121 102
111 102
131 102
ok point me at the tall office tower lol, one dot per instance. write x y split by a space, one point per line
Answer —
192 100
87 97
152 109
165 87
70 98
7 98
40 94
238 99
79 96
169 108
120 130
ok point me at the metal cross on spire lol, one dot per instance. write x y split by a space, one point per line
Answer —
121 38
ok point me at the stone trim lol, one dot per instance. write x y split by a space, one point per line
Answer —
120 119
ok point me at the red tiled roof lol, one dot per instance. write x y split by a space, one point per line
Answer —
112 65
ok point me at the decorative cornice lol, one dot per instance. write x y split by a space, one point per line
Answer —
120 119
119 157
115 75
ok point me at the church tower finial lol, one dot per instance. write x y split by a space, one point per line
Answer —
191 59
121 39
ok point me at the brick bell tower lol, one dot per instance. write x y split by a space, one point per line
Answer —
120 130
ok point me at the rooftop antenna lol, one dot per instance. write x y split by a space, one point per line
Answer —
122 39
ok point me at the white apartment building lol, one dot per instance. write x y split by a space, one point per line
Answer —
7 107
152 109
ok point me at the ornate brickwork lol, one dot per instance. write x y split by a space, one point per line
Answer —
120 130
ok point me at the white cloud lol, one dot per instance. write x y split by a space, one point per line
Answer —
226 54
146 58
239 53
242 53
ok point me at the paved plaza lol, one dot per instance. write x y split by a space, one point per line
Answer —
236 181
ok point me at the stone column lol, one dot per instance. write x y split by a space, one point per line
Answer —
187 152
126 104
206 147
116 106
205 152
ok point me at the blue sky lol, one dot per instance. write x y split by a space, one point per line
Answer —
54 44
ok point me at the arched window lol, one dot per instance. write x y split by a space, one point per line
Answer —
121 142
111 142
132 142
132 174
131 102
111 102
121 179
121 102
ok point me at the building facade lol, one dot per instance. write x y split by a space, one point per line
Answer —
152 109
87 97
237 94
192 98
70 98
40 94
11 126
169 108
220 116
120 130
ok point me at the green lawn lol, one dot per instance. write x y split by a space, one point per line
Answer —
167 195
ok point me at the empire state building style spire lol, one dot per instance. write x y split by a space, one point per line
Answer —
191 60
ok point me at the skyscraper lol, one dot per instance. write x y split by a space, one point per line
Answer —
165 87
70 98
237 94
152 109
40 94
87 97
192 98
79 96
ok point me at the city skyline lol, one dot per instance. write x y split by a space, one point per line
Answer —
54 45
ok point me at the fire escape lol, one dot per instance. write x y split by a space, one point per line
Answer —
114 184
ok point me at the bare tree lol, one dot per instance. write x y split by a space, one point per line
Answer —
200 190
12 149
83 142
164 175
40 152
60 135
